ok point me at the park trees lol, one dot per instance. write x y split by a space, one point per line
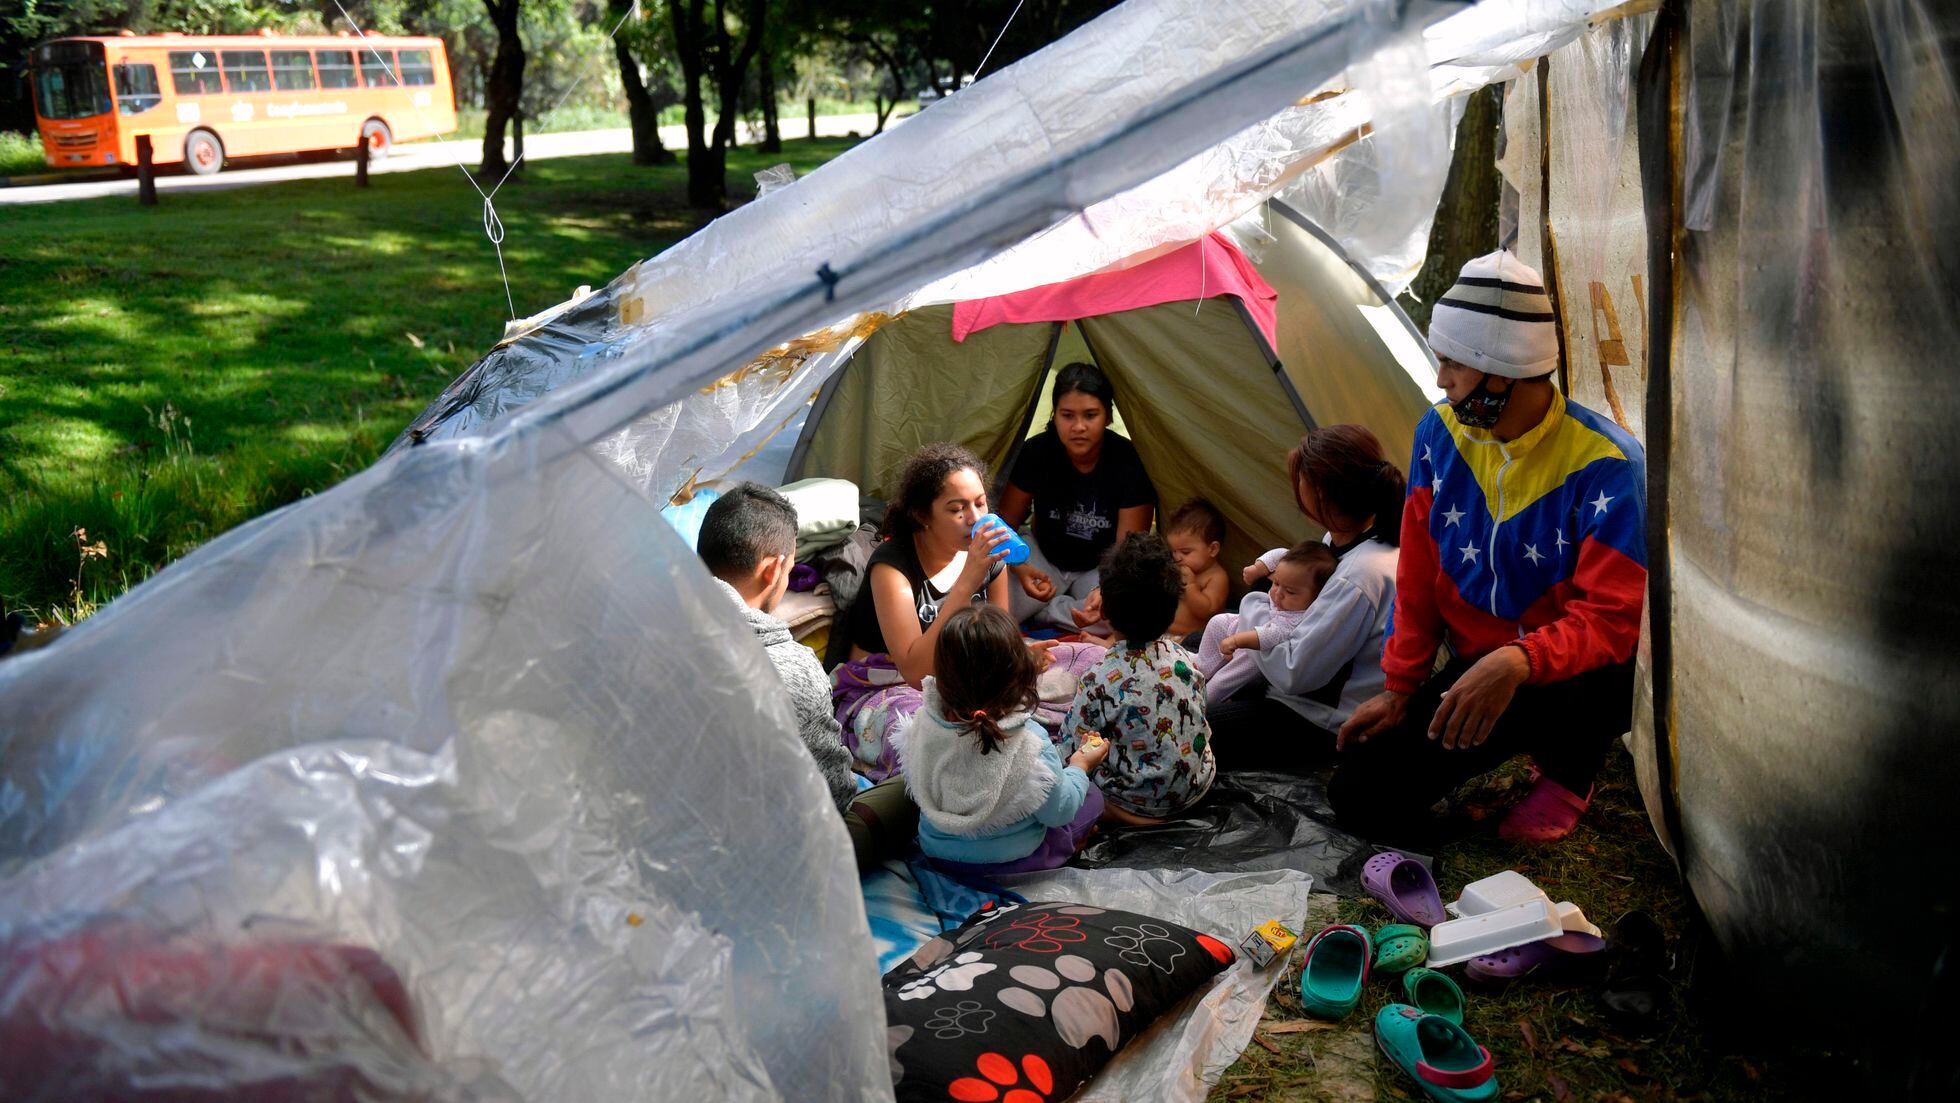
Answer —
713 54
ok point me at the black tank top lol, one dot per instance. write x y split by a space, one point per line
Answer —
926 599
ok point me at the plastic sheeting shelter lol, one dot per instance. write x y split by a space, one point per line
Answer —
1211 402
453 710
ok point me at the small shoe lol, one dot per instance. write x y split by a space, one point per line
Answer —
1570 958
1400 947
1449 1065
1547 814
1434 994
1405 886
1335 971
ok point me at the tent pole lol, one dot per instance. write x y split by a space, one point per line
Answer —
1660 91
1272 361
793 470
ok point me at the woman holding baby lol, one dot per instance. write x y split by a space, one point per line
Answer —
1300 660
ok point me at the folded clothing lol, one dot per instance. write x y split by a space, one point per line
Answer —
826 513
803 612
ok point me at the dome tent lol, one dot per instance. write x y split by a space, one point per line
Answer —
1212 403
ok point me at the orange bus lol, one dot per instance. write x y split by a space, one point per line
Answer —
203 98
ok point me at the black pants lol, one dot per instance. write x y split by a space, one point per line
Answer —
1251 731
1384 788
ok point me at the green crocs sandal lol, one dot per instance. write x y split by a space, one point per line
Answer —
1336 970
1434 993
1400 947
1449 1065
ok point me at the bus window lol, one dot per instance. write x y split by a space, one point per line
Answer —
193 72
375 72
336 68
136 88
292 70
245 71
416 68
71 91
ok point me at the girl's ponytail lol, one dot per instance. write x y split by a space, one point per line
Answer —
984 672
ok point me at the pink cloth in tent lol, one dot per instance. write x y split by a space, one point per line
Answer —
1203 269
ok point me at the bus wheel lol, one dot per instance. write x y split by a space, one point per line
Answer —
379 141
204 154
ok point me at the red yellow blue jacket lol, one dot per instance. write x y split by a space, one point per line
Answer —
1540 541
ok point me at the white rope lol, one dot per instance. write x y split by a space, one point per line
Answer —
493 226
997 38
362 35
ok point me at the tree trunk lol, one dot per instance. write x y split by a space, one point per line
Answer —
1466 220
641 110
772 131
730 72
706 169
505 87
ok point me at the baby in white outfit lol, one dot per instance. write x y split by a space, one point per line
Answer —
1228 656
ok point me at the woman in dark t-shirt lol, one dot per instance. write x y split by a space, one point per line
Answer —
931 559
1087 489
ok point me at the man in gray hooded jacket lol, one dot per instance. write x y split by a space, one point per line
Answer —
748 541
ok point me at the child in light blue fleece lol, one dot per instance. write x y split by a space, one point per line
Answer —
994 796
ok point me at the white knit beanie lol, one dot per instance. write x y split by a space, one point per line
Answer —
1497 319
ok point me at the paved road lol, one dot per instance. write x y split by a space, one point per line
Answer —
406 158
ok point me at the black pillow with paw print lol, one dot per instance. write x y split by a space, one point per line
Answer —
1023 1003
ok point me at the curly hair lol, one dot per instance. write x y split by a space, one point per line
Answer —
1141 585
919 484
985 671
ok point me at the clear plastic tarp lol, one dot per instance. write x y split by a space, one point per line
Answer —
459 781
1802 457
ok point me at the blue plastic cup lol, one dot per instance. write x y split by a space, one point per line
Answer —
1017 548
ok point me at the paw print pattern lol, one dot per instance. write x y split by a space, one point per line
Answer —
1146 944
956 975
1069 994
1041 932
989 913
1000 1081
961 1019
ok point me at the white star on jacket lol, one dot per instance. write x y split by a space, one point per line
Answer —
1559 535
1436 485
1599 503
1452 515
1469 553
1531 553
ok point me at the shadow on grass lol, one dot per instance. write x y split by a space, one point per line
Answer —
292 328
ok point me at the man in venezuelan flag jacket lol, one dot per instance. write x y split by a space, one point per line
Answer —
1523 550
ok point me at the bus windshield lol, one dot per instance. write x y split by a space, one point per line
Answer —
71 81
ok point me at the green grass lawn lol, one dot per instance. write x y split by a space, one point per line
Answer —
1552 1044
168 373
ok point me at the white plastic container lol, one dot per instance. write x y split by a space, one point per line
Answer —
1500 890
1509 889
1501 929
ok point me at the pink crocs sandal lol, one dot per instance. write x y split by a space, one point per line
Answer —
1547 814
